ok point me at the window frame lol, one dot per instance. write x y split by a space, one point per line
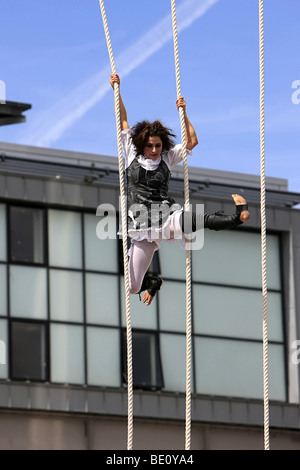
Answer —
159 385
118 273
44 234
47 366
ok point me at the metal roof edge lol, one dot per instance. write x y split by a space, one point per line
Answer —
69 157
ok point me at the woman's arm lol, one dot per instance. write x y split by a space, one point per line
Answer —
114 78
190 133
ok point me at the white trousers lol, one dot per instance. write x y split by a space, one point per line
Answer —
142 251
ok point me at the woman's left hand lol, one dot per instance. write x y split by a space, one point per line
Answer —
114 78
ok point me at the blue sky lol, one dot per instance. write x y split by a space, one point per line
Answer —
54 56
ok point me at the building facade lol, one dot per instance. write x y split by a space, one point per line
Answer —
62 313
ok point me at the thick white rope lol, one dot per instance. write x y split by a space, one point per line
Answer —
263 226
124 237
188 251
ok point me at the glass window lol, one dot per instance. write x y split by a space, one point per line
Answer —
102 299
3 290
225 311
173 359
103 343
28 292
100 255
65 239
26 235
172 257
66 295
276 363
2 232
172 306
3 350
234 368
225 254
67 354
147 373
29 359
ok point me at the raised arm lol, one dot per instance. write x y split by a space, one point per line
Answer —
190 133
114 78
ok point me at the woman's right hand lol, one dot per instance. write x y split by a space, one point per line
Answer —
180 103
114 78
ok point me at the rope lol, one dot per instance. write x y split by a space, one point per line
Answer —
124 237
188 252
263 227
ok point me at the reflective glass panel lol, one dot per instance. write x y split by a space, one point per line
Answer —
225 311
3 290
67 354
172 260
2 232
225 254
172 349
234 368
28 292
102 299
66 295
172 306
103 343
3 350
65 239
100 255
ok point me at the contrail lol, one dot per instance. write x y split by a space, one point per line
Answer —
69 110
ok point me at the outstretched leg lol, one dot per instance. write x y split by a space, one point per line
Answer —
142 252
191 222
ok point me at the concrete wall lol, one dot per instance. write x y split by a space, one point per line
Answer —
53 431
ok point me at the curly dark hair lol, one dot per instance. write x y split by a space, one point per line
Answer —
141 132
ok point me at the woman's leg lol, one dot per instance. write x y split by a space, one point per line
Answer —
191 222
141 254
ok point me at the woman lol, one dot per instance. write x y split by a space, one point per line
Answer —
150 154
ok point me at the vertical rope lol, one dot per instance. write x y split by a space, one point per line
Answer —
124 237
263 226
188 252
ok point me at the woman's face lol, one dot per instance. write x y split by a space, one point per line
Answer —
153 148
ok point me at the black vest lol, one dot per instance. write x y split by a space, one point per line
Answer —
147 195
